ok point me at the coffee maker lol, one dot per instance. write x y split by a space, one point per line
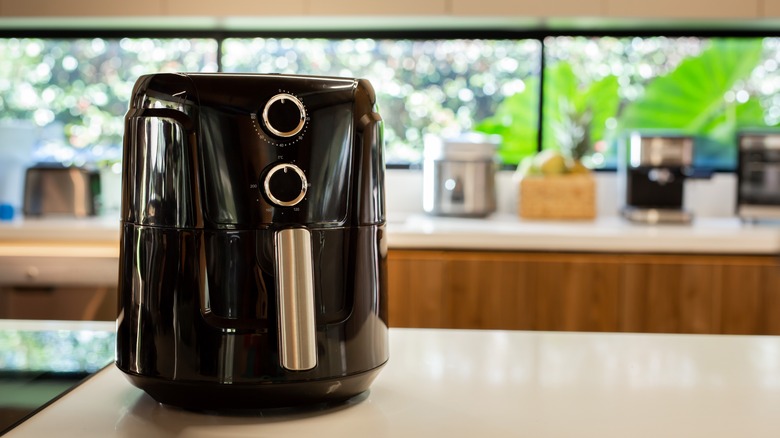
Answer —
652 172
253 244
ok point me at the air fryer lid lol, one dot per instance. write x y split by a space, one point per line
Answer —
230 132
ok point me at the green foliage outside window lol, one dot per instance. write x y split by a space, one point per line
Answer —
710 90
82 86
439 87
708 96
595 89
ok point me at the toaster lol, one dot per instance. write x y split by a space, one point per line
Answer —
61 190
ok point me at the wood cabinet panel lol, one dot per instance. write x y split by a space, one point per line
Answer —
575 293
61 303
701 294
531 10
770 8
528 8
584 292
502 291
415 291
346 8
486 294
669 295
750 298
689 9
82 8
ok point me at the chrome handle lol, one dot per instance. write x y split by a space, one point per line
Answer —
295 292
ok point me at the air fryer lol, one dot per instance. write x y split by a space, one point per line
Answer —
253 248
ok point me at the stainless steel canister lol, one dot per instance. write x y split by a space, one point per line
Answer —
459 175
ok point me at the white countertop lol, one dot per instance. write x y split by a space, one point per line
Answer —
452 383
419 231
604 234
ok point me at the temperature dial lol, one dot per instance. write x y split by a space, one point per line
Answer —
285 185
284 115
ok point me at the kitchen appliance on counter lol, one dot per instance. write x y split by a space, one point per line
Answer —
651 176
459 175
253 245
758 176
54 189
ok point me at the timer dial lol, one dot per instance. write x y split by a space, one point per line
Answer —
284 115
285 184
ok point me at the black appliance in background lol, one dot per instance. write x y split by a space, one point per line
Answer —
758 176
652 177
253 247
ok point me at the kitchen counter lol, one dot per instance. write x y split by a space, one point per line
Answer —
604 234
63 252
88 231
84 252
459 383
100 236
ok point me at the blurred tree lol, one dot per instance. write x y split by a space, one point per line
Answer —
84 85
440 87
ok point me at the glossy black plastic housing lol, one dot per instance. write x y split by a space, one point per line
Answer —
197 324
644 192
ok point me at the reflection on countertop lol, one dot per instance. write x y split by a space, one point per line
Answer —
40 360
461 383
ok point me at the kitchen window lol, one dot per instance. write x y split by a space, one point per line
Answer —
64 98
424 87
598 89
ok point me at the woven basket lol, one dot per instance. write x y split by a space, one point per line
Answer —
557 197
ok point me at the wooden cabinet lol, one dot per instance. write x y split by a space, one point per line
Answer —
750 297
525 9
669 295
689 9
58 303
701 294
584 292
495 290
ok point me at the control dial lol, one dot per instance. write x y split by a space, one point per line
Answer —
285 184
284 115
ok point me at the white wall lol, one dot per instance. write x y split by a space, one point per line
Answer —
714 197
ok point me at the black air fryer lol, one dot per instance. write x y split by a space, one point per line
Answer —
253 250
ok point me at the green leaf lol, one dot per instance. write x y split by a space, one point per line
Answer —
603 100
575 116
691 97
750 114
516 121
560 90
